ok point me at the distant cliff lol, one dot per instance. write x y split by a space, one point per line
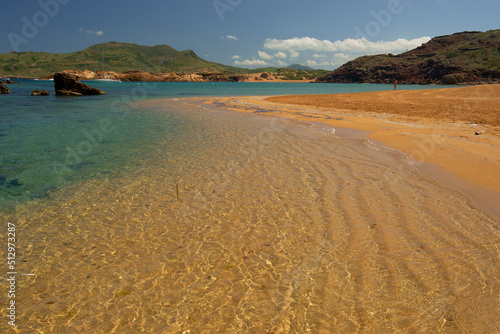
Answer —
467 57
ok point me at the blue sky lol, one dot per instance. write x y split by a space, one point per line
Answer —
245 33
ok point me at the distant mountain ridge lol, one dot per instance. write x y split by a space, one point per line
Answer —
118 57
466 57
300 67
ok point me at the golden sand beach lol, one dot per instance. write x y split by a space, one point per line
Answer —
457 129
281 226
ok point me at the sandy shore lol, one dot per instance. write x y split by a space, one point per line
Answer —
451 134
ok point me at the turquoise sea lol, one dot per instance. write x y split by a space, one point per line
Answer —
48 143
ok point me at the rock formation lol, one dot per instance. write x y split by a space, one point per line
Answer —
140 76
190 78
106 74
169 77
202 76
38 92
3 88
67 84
82 75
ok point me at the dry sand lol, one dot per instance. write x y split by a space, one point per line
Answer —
433 127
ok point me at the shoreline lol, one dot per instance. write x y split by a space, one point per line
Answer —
255 78
447 151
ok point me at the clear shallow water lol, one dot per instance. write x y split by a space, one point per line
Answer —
281 227
47 143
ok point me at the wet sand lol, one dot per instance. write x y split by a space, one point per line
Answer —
282 227
436 129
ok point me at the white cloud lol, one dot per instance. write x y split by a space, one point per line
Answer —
92 32
315 63
341 56
230 37
294 54
347 45
253 62
281 55
264 55
319 56
236 57
311 63
281 63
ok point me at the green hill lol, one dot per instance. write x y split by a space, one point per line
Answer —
300 67
467 57
119 57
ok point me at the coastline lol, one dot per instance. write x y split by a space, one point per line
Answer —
436 129
142 76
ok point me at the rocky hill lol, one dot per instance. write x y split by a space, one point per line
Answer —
467 57
118 57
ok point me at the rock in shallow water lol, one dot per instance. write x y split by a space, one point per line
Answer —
67 84
38 92
3 88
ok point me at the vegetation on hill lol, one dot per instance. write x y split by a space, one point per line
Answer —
287 73
118 57
467 57
300 67
137 61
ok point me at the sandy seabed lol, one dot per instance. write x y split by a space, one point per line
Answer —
281 226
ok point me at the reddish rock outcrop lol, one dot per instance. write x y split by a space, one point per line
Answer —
140 76
67 84
170 77
82 75
190 78
107 75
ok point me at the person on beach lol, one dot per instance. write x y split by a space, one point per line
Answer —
395 84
